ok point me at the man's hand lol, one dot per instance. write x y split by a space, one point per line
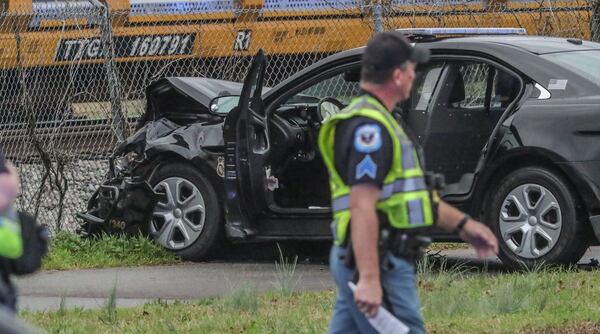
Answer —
368 295
481 237
9 186
473 232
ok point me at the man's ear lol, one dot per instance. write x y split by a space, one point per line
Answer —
398 76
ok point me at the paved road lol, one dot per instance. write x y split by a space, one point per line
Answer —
135 286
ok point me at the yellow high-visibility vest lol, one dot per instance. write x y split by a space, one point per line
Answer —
405 198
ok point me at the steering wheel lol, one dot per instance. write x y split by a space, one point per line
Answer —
327 107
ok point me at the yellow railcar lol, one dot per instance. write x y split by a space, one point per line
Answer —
48 33
53 63
52 55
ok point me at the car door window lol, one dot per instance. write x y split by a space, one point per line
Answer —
414 111
425 82
337 87
468 85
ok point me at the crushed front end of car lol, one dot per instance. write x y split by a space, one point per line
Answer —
125 200
177 123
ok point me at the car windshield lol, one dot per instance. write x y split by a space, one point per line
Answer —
584 63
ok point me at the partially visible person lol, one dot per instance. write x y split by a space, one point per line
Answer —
23 242
11 241
9 324
11 245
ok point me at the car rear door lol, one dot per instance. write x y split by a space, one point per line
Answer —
471 96
247 147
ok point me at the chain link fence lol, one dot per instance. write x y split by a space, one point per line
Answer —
74 73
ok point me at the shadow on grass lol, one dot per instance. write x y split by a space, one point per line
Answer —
312 252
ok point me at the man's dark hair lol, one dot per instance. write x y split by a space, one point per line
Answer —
386 52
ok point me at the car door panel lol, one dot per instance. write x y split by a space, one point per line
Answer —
247 148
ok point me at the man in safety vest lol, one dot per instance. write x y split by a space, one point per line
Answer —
381 198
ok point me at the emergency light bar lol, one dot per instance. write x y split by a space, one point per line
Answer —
301 5
463 31
62 10
148 7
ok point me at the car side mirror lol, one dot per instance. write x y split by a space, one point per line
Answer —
222 105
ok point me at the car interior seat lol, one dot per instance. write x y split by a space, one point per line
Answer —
457 92
507 88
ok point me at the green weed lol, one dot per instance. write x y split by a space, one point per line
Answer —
62 310
286 274
110 310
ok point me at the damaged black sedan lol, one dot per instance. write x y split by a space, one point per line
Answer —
173 178
511 121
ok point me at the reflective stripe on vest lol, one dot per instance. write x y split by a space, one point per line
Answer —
404 198
399 186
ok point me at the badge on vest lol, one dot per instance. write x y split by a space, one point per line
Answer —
367 138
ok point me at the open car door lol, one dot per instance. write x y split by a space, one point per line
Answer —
247 148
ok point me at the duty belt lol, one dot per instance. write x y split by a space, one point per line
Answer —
411 248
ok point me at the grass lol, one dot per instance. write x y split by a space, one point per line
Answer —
512 303
69 251
454 300
297 313
243 299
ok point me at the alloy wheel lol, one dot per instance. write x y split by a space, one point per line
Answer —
530 221
179 216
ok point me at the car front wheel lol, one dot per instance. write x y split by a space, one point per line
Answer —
187 215
533 214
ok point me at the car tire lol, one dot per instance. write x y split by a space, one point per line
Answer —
188 222
533 214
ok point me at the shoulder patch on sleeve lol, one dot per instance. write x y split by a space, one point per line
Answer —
367 138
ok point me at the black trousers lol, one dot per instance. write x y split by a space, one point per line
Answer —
8 293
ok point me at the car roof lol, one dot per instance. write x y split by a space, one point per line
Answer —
533 44
506 48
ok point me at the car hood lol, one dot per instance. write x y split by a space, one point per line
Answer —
203 90
185 100
187 97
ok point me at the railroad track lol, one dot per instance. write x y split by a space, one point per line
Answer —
74 139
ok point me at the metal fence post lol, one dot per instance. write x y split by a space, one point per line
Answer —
595 21
378 17
118 124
